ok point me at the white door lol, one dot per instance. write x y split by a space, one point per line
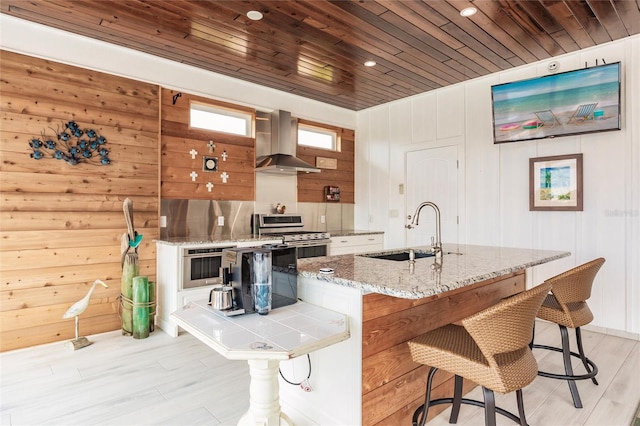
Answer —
432 175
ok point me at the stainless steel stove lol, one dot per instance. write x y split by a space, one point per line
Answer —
289 227
288 237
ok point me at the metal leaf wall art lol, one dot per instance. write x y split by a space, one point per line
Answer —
73 145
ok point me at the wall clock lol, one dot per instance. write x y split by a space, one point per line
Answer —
210 164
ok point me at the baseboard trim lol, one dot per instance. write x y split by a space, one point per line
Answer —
612 332
604 330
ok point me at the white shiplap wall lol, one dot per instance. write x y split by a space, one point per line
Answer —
494 181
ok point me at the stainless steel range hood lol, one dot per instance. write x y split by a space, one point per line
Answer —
276 133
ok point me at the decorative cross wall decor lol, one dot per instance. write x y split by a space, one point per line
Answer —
209 164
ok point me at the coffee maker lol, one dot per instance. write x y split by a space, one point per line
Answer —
237 264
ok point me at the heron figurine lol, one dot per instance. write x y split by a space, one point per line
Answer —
76 309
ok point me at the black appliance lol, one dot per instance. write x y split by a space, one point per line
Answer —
237 272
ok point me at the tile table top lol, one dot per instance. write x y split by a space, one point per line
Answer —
284 333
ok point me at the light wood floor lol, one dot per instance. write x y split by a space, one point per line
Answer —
166 381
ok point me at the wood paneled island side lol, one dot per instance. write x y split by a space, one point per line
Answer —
370 379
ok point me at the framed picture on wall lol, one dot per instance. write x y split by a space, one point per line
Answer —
555 183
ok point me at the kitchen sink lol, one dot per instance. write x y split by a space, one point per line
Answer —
400 255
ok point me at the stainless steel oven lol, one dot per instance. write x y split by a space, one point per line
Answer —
306 249
289 227
201 266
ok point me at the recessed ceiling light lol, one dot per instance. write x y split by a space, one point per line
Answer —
468 11
370 63
254 15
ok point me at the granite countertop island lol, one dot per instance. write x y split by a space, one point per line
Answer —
389 303
461 265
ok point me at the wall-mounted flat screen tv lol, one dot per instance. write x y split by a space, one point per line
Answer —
569 103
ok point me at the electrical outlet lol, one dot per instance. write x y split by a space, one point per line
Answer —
323 219
220 220
163 221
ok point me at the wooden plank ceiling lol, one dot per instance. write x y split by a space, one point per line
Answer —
317 48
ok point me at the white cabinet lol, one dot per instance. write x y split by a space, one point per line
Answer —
354 244
169 273
193 295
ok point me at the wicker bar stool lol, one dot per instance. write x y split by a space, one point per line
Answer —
566 306
491 348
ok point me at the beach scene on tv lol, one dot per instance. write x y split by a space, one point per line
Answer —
586 100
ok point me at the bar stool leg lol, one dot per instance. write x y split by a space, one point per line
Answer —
489 407
523 420
582 355
424 409
566 355
533 336
457 399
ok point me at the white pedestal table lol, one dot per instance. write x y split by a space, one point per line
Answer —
263 341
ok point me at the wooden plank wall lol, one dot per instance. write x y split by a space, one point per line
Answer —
61 225
393 386
311 185
178 139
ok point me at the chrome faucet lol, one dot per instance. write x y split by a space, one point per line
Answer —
436 246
